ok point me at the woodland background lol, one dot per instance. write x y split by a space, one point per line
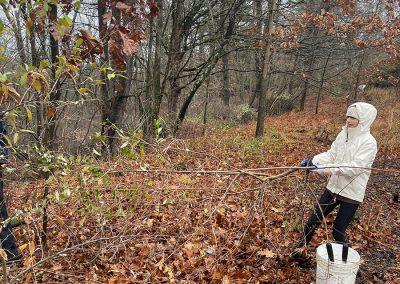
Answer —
146 135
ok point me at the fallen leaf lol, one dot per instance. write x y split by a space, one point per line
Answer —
267 253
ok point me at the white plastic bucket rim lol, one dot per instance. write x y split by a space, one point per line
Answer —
337 271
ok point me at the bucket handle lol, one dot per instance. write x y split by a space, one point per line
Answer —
345 252
330 252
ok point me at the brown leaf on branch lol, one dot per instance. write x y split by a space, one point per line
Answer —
37 80
123 7
117 57
50 112
90 45
37 19
8 93
129 45
124 43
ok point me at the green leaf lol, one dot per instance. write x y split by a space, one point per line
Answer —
23 80
57 196
111 76
7 139
65 21
105 68
4 77
46 6
59 71
122 76
78 42
77 4
62 59
28 114
120 213
83 91
16 137
1 27
37 86
44 64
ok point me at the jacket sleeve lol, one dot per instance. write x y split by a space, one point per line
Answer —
363 158
326 158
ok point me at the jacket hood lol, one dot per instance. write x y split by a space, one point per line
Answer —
365 113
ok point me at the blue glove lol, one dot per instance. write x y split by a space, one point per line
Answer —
306 163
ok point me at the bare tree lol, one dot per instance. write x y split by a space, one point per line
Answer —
266 66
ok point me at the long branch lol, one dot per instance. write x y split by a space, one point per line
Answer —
251 171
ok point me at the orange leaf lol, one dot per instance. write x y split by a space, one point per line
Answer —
50 112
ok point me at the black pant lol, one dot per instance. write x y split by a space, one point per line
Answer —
326 204
6 237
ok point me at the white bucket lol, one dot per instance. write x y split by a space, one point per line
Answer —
338 271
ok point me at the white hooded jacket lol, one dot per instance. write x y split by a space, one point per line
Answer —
353 147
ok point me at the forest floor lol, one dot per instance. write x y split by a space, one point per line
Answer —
121 222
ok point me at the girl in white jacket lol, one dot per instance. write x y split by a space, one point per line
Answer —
347 163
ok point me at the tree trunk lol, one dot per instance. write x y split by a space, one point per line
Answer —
154 82
354 98
148 89
50 135
182 113
35 60
321 84
262 107
309 63
291 79
225 80
157 93
225 94
105 88
175 58
118 106
258 55
312 33
206 107
212 61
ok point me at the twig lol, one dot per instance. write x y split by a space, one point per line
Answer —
375 241
4 266
260 198
222 198
68 250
